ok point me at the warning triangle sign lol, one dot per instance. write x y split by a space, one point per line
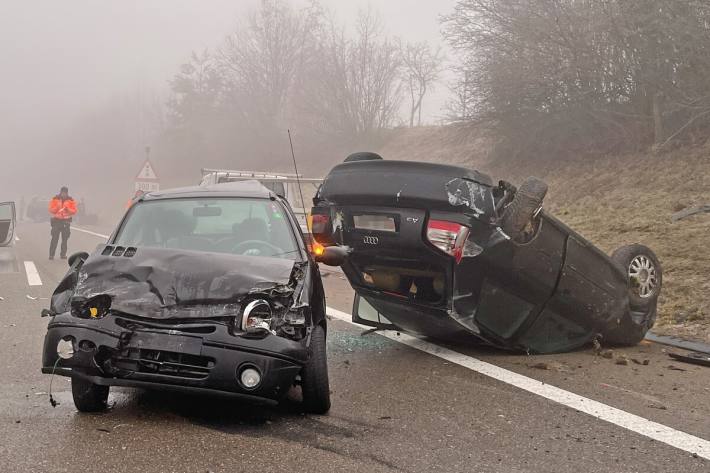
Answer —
147 173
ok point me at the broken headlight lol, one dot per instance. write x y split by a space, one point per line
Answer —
256 317
96 307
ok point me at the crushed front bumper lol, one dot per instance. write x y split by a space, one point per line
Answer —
106 353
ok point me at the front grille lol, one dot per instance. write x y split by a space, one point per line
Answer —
162 362
200 326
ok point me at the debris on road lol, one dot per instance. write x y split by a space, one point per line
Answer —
675 368
597 347
608 354
551 365
32 298
678 343
694 358
690 211
641 362
622 360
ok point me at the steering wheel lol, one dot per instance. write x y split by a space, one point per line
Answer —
245 247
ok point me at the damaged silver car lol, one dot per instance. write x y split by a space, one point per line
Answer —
204 290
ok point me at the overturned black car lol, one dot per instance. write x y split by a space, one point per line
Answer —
441 251
204 290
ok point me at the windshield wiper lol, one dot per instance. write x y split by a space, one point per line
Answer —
284 253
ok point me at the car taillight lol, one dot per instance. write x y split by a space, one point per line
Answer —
449 237
320 226
318 223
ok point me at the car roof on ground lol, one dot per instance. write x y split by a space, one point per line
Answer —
252 188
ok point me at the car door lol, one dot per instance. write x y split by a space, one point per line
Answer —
515 281
7 223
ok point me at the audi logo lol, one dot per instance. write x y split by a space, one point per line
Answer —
371 240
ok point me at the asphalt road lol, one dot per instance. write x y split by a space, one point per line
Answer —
395 407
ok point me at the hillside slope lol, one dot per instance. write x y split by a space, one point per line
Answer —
611 201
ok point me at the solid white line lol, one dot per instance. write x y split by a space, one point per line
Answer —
33 278
632 422
90 232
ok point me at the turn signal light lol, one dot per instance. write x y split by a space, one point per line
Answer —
317 249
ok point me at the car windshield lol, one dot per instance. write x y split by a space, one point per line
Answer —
251 227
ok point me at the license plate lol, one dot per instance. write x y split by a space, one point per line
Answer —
380 223
166 342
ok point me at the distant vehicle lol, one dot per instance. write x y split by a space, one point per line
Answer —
282 184
7 223
441 251
38 209
205 289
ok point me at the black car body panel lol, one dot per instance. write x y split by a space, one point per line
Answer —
170 319
165 283
552 293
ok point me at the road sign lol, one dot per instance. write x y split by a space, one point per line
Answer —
147 180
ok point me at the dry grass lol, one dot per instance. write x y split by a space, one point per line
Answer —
612 201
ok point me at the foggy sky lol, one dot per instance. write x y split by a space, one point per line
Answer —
63 58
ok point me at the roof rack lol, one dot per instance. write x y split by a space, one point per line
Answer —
251 174
286 180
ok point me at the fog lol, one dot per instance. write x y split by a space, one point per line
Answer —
64 62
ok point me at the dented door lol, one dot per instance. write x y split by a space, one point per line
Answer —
511 282
7 223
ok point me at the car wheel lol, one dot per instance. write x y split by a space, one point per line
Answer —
645 280
314 376
88 397
520 212
362 156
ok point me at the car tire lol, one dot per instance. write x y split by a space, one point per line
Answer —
521 210
362 156
314 375
643 295
88 397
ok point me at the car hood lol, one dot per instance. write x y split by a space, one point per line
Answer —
163 283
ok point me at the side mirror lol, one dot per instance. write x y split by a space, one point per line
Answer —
79 256
333 255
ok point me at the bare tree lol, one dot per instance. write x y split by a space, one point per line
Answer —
263 58
422 67
355 89
195 89
569 76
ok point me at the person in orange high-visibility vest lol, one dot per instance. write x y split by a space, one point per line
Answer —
62 208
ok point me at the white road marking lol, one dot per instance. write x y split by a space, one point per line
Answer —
632 422
89 232
33 278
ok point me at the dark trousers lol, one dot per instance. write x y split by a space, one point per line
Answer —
59 227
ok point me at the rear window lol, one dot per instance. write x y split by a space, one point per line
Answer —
252 227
